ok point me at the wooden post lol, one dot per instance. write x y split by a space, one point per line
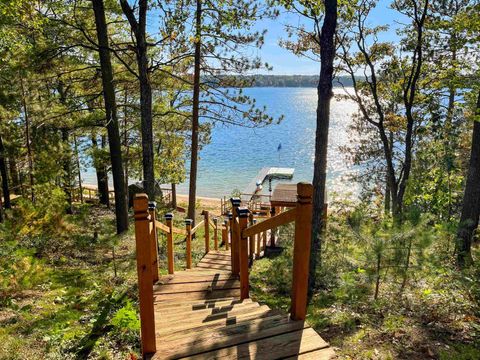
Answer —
272 231
170 252
235 237
243 224
225 234
215 234
188 228
144 272
152 205
264 245
301 251
206 223
258 242
230 235
251 242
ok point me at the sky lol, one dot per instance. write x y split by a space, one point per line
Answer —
285 63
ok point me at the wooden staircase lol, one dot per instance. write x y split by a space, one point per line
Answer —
199 315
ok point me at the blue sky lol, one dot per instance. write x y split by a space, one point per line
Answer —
285 63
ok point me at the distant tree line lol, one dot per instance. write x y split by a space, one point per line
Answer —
282 81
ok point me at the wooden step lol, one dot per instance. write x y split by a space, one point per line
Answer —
213 266
195 303
172 330
200 306
190 277
215 261
275 347
204 314
208 340
199 286
197 295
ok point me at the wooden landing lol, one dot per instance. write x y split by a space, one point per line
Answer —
198 315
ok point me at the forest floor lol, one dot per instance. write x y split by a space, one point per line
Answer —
77 299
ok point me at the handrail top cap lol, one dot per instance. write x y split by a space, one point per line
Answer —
141 196
304 189
168 216
152 205
188 221
235 201
243 212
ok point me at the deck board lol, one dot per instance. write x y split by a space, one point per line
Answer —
198 315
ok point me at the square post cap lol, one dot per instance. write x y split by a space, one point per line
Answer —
254 221
243 212
235 201
152 205
188 221
168 216
230 215
215 220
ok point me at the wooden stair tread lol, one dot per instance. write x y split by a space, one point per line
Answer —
208 340
275 347
204 315
196 307
198 295
199 286
232 318
195 303
198 315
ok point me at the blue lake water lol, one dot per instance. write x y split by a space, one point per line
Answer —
236 154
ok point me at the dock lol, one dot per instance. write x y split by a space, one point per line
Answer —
268 173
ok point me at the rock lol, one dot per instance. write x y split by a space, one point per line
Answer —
137 188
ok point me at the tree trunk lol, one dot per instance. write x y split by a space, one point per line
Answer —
28 142
139 29
327 55
471 198
174 196
13 169
4 174
79 171
192 193
121 210
67 169
102 175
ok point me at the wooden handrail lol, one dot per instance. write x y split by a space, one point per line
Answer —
178 231
162 227
194 230
271 223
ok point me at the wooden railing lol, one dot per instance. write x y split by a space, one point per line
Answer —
244 232
243 238
146 240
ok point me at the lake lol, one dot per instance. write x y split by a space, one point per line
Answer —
236 154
